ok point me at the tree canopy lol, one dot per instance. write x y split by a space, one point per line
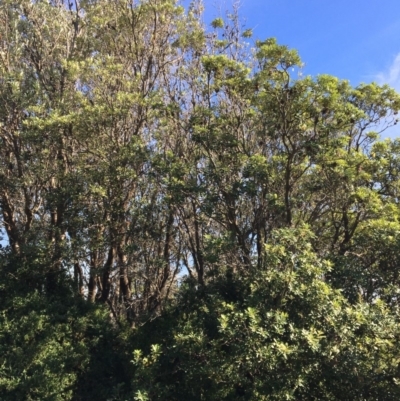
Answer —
185 216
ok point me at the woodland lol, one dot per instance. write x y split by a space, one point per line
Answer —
185 216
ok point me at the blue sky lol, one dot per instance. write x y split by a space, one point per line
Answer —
357 40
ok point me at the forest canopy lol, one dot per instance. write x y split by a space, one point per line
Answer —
185 216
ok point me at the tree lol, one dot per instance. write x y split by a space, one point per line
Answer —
156 169
282 333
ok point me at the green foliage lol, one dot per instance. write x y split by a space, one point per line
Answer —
57 348
217 23
287 335
185 216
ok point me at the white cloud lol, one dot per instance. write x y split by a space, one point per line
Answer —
392 75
